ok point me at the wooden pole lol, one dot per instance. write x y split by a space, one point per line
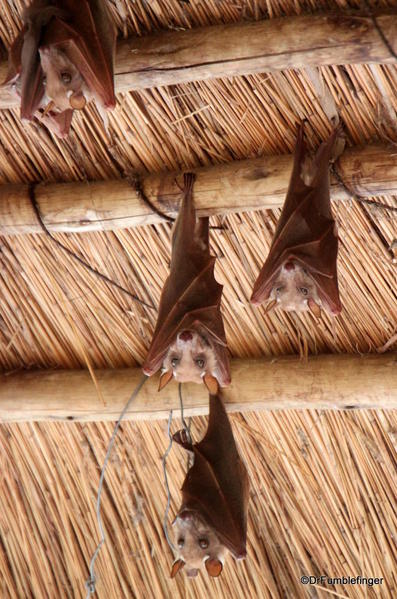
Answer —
323 382
234 187
173 57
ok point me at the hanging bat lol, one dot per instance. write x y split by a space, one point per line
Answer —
212 519
189 342
300 270
62 58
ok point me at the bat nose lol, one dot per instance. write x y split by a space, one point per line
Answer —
185 336
289 266
192 573
185 515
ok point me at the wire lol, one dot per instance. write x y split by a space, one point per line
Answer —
90 583
186 428
164 461
137 184
335 171
32 196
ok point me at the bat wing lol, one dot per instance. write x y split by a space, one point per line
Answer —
87 38
14 58
306 230
217 486
26 60
197 306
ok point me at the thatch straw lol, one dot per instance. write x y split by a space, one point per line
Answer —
323 493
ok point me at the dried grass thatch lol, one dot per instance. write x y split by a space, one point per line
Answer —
323 485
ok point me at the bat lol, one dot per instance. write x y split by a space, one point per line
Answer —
212 519
300 271
63 58
189 342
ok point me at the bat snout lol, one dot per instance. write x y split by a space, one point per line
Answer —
192 573
289 266
185 515
185 336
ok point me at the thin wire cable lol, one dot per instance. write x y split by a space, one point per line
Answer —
32 196
355 196
91 581
380 31
136 182
186 428
167 509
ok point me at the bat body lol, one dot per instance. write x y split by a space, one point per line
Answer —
300 271
62 58
189 341
212 519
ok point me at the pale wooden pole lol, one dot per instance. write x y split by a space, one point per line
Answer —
173 57
238 186
321 383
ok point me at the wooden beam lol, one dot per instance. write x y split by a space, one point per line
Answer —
322 383
174 57
234 187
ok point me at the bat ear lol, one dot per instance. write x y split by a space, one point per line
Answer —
176 566
211 383
214 567
270 306
165 379
314 308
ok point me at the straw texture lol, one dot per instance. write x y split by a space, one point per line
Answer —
323 485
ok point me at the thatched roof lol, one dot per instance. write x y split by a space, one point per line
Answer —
323 485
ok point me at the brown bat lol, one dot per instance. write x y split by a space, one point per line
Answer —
212 519
189 340
300 270
62 58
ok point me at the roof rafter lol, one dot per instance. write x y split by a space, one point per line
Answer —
324 382
253 184
173 57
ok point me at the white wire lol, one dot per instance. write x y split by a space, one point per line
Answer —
90 583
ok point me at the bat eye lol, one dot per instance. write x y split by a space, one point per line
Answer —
279 289
303 290
66 77
174 362
200 362
203 543
181 542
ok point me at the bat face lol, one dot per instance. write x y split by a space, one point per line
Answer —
196 543
294 289
64 84
190 357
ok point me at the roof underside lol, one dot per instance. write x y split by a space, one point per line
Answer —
323 486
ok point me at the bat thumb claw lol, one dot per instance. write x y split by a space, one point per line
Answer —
211 383
176 566
165 379
314 308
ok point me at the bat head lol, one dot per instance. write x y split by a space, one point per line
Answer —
294 290
191 358
64 84
198 545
